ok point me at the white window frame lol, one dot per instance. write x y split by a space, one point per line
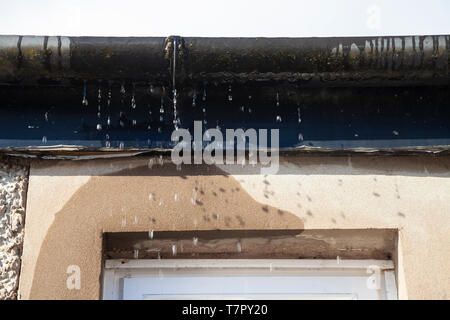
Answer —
118 269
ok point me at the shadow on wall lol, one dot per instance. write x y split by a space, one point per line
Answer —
139 199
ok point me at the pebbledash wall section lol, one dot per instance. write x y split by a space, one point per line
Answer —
70 204
13 188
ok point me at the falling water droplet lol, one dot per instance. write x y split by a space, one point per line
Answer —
46 116
150 196
124 222
44 139
175 198
239 247
84 102
99 126
204 95
175 120
161 110
133 102
300 137
135 220
278 100
151 89
150 163
299 116
109 96
230 95
395 132
107 144
195 241
108 121
278 119
150 234
136 253
122 89
121 145
194 99
161 202
174 250
194 197
161 160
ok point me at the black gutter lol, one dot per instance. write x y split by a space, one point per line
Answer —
352 61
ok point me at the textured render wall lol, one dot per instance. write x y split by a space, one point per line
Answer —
13 188
71 204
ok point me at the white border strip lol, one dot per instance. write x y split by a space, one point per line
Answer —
247 263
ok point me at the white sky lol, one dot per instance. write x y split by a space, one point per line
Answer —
231 18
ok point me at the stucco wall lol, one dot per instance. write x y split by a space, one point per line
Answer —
70 204
13 186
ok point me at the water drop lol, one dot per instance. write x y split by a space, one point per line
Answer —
109 96
194 99
204 95
174 250
175 198
175 120
99 126
151 89
395 132
230 95
161 202
239 247
108 121
136 253
84 102
278 119
150 163
133 102
278 100
150 234
46 116
150 196
300 137
299 116
44 139
122 89
121 145
194 197
195 241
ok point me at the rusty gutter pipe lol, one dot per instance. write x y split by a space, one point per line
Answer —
348 61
